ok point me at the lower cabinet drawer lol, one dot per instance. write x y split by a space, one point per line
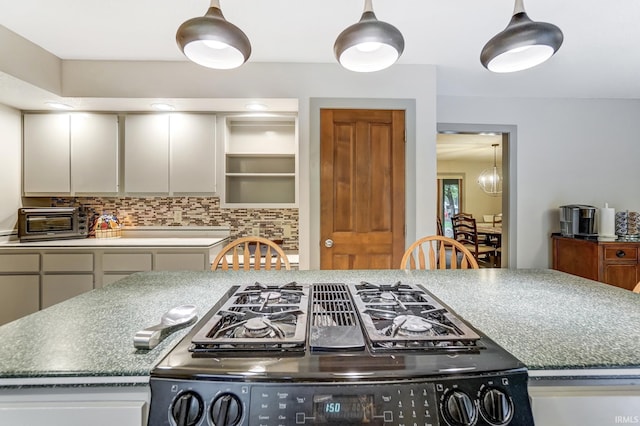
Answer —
20 262
58 288
67 262
132 262
181 262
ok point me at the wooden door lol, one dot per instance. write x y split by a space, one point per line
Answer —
362 190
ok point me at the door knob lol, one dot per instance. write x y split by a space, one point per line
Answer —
328 243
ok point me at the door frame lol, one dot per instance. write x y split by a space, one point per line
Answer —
509 185
315 105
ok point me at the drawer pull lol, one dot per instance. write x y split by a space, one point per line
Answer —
621 253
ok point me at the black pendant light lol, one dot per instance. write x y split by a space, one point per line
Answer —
212 41
522 44
369 45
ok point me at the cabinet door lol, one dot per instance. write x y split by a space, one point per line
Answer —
57 288
192 144
19 296
621 275
94 153
46 164
74 413
146 153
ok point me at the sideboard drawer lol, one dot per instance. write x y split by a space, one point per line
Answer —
621 253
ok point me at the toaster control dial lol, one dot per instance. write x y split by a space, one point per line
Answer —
496 406
460 409
187 409
226 410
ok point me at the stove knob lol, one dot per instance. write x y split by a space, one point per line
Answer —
187 409
460 409
496 407
226 410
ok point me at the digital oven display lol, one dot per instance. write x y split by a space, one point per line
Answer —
344 409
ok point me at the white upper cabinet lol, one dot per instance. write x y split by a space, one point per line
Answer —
94 153
70 153
192 141
47 164
169 153
260 161
146 153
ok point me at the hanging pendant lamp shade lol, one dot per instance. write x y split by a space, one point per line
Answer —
212 41
369 45
490 180
522 44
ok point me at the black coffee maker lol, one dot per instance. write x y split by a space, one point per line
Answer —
578 220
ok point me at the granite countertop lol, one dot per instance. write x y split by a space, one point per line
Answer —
548 319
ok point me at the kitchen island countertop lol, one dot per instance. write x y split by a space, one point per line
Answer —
550 320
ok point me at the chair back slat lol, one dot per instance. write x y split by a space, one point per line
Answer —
442 253
239 253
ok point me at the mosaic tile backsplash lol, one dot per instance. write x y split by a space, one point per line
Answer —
274 224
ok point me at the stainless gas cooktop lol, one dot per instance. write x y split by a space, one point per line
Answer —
345 353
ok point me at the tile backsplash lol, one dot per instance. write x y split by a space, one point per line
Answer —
274 224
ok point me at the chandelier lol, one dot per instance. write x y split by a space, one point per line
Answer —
490 180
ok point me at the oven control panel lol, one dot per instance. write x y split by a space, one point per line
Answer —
493 400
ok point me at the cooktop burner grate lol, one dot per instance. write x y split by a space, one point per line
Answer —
257 318
406 317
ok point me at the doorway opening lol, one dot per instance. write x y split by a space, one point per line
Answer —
464 152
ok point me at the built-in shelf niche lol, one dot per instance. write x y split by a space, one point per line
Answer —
260 161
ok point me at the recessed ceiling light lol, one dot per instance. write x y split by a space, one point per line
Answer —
256 106
162 107
58 105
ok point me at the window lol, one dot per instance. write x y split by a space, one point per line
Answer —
449 202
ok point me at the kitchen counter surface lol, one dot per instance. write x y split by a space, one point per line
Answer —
550 320
196 242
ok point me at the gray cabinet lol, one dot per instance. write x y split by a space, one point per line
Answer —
46 154
94 153
19 285
36 278
65 275
170 153
70 153
146 153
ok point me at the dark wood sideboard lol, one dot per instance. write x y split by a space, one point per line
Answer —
614 263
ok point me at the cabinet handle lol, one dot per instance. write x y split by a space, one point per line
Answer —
621 253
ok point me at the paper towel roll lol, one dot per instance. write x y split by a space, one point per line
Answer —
607 222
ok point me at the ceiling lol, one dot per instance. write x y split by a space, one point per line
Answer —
597 60
468 147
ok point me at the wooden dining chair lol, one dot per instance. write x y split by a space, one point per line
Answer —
466 233
636 289
441 253
251 253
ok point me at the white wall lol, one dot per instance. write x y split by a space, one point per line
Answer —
10 167
568 151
